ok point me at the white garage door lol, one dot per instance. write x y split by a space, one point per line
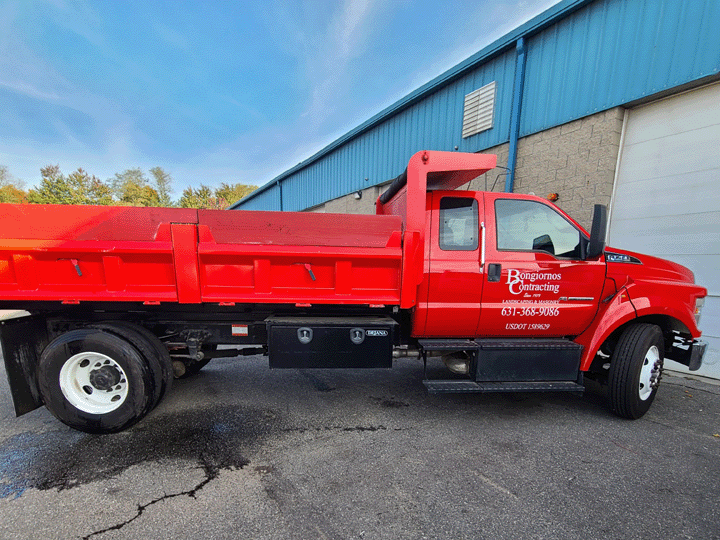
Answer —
667 195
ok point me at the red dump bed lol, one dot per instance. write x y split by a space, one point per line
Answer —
97 253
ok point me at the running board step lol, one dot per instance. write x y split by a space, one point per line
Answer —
447 344
467 387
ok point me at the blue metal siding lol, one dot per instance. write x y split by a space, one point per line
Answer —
265 200
582 57
615 51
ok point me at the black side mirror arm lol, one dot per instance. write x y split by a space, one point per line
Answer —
596 245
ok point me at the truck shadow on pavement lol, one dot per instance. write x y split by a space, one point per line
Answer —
206 420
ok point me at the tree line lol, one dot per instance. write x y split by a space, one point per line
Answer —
128 188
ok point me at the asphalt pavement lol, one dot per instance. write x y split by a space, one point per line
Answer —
244 452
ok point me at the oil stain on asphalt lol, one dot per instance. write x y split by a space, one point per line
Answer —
215 438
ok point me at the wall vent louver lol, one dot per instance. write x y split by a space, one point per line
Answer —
479 110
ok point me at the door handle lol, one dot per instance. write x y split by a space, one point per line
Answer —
494 272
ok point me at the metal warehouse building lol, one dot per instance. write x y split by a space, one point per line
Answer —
605 101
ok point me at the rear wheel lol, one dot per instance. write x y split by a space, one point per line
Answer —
635 370
154 351
95 381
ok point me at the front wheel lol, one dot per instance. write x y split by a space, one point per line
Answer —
95 381
635 370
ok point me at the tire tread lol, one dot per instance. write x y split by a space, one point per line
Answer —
161 361
622 370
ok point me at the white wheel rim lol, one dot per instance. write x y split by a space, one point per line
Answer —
648 372
93 383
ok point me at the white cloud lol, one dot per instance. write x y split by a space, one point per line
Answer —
349 25
79 17
326 49
29 90
21 69
172 37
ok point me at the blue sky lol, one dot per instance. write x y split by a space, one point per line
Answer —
217 91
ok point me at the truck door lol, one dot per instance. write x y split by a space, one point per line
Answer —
454 274
536 281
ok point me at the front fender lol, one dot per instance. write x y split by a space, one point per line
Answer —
670 299
612 314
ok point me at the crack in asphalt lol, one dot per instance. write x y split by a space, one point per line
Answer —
211 473
65 459
339 428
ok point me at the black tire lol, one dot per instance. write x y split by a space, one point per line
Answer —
119 388
156 354
635 370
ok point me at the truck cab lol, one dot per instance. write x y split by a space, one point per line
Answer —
517 296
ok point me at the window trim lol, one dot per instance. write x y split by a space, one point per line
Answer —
476 207
582 237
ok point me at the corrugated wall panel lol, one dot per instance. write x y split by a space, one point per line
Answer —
266 200
616 51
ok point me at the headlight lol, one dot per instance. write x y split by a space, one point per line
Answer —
699 303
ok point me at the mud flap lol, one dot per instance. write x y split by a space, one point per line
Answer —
687 351
23 340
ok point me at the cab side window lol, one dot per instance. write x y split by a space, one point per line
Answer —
533 226
458 224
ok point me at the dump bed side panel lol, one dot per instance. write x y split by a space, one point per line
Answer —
85 253
299 257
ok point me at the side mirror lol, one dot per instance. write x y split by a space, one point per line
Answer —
544 243
597 233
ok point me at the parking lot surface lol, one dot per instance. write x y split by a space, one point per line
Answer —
241 451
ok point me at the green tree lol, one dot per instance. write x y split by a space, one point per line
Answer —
163 186
229 194
131 188
11 190
219 199
76 188
201 197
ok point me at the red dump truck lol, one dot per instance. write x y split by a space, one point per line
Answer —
507 290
